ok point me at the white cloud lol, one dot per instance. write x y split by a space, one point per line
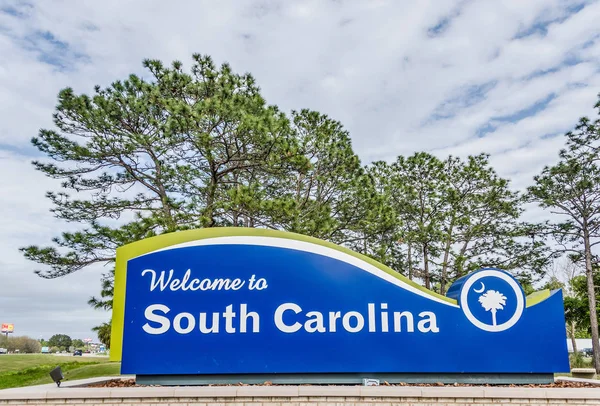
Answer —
37 306
518 73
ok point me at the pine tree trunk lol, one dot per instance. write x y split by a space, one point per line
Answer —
410 266
426 267
210 198
460 259
591 298
445 270
446 256
572 336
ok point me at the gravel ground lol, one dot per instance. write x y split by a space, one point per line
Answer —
127 383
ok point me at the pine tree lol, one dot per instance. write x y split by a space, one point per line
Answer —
454 216
570 190
177 152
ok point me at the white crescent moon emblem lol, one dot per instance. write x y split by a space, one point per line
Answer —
480 290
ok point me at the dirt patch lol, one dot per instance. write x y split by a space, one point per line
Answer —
128 383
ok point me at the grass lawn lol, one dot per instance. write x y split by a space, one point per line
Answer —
34 369
14 362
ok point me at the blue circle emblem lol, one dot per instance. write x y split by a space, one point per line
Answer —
492 300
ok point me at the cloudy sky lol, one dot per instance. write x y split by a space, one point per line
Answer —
446 76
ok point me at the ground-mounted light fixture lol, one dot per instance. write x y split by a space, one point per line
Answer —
57 375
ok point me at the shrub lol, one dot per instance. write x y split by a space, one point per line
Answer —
577 360
22 344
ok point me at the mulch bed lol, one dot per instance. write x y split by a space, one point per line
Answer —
128 383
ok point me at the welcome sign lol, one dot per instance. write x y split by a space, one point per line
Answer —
236 301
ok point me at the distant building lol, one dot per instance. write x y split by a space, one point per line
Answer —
580 342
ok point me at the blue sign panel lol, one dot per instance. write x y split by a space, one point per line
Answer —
247 304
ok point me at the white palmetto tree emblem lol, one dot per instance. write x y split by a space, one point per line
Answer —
492 301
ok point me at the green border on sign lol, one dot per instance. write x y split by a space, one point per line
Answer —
133 250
